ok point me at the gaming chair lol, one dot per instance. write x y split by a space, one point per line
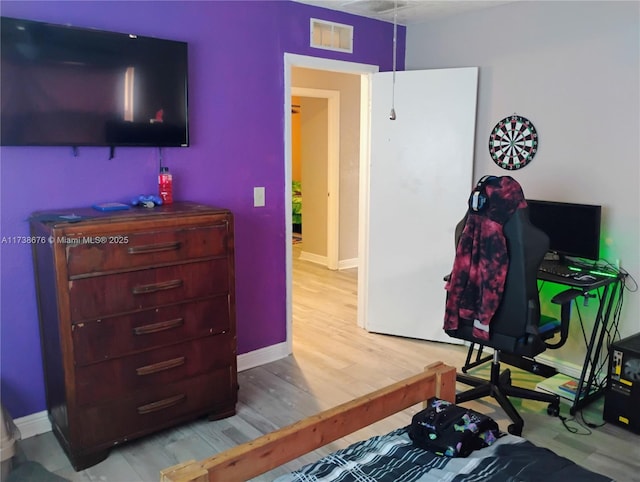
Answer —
492 292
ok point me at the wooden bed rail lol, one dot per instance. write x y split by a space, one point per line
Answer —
258 456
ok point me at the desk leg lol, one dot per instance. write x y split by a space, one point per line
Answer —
595 343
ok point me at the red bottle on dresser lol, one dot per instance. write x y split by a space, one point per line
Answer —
165 185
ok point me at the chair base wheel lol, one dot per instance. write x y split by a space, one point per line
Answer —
515 429
553 410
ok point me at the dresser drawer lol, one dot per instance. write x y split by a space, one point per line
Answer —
100 296
100 340
115 378
156 408
122 250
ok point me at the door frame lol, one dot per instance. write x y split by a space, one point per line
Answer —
333 167
341 66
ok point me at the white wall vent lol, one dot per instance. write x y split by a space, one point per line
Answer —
331 35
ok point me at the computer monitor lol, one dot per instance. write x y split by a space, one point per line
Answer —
573 229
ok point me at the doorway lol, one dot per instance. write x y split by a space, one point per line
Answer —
319 173
323 65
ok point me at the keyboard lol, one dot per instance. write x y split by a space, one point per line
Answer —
558 269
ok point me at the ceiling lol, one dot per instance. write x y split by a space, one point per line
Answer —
408 11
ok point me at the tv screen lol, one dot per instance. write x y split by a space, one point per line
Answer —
67 86
573 229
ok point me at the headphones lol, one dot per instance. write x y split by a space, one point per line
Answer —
478 201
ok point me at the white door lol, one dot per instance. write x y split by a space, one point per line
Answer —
420 177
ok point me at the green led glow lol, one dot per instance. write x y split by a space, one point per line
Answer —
602 273
573 268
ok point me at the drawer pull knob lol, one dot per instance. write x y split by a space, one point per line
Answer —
153 287
160 367
161 404
154 248
155 327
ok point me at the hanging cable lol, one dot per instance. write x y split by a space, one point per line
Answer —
392 115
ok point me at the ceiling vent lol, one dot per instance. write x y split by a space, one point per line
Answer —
331 36
382 6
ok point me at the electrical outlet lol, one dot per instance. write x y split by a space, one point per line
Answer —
258 197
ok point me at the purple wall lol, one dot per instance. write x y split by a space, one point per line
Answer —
237 130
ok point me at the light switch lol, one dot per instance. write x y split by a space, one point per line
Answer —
258 197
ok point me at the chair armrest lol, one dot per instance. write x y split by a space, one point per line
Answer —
566 296
563 299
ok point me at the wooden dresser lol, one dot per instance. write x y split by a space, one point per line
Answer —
137 321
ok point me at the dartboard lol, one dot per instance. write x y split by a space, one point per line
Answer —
513 142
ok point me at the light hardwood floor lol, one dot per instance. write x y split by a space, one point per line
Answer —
333 362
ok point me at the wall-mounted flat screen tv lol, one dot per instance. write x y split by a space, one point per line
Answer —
67 86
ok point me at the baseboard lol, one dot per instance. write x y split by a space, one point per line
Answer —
348 263
33 424
318 259
262 356
313 258
38 422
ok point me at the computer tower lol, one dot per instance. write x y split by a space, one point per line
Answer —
622 395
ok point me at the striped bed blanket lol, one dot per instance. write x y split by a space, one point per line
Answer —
394 458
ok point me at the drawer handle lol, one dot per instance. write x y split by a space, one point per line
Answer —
153 287
154 248
155 327
161 404
160 367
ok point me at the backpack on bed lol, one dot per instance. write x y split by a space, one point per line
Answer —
450 430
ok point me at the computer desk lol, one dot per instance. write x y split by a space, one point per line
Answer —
608 288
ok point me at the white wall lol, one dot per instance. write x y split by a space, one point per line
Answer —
572 68
314 132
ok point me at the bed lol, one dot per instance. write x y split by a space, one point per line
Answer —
391 457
